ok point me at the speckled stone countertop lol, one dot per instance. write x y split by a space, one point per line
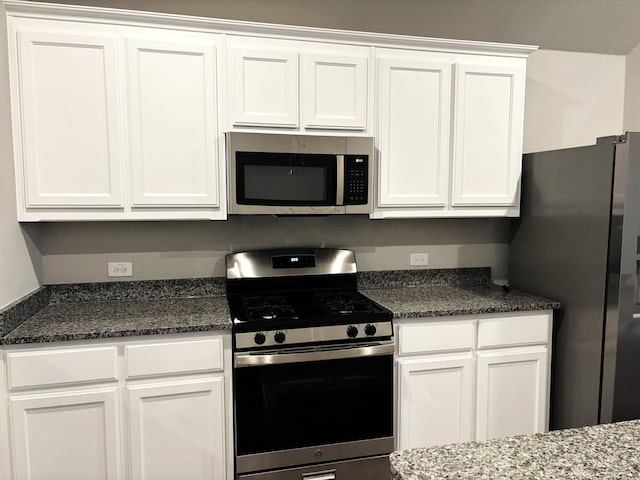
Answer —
105 319
121 309
442 300
600 452
104 310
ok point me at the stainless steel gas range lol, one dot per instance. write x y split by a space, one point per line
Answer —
313 368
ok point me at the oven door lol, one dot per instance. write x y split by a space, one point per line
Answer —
283 183
301 407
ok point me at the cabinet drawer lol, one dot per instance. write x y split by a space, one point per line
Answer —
174 357
516 329
63 366
441 336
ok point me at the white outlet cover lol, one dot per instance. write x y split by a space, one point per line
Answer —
419 259
119 269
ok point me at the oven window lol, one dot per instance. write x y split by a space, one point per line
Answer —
296 405
285 179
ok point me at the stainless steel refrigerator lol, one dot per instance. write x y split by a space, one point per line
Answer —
578 241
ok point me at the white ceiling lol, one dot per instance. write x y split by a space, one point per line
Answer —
598 26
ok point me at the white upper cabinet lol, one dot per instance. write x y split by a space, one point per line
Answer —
449 134
487 152
413 137
121 115
172 94
297 85
265 87
69 145
336 91
115 122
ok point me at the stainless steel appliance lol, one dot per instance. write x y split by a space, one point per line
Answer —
281 174
313 368
578 241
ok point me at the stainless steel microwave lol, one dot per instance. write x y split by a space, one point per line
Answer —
282 174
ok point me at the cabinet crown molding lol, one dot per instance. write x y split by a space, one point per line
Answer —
23 8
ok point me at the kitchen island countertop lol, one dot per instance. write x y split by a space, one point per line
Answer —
600 452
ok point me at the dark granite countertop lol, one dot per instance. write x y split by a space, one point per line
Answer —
600 452
118 309
120 318
443 300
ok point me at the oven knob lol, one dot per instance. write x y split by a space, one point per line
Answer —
259 338
352 331
280 337
370 329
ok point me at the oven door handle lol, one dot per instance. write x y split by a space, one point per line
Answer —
279 358
327 475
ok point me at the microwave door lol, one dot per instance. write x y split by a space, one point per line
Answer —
286 184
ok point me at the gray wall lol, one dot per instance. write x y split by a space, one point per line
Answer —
79 252
632 92
20 261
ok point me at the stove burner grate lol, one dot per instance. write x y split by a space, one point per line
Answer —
343 303
268 308
281 312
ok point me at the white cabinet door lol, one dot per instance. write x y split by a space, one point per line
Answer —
5 458
66 436
435 406
68 121
265 87
413 125
336 91
178 430
512 392
172 94
487 151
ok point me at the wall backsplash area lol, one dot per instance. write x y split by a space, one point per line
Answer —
79 252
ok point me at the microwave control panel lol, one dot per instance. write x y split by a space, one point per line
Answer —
356 181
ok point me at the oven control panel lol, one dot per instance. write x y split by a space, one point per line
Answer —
297 336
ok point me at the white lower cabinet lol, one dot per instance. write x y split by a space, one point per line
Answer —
152 419
435 400
66 435
512 392
5 458
178 430
472 378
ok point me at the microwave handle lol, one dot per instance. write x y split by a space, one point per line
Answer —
340 180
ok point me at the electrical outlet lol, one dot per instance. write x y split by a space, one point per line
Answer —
119 269
421 259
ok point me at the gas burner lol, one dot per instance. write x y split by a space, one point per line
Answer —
281 312
349 307
335 297
343 303
264 302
